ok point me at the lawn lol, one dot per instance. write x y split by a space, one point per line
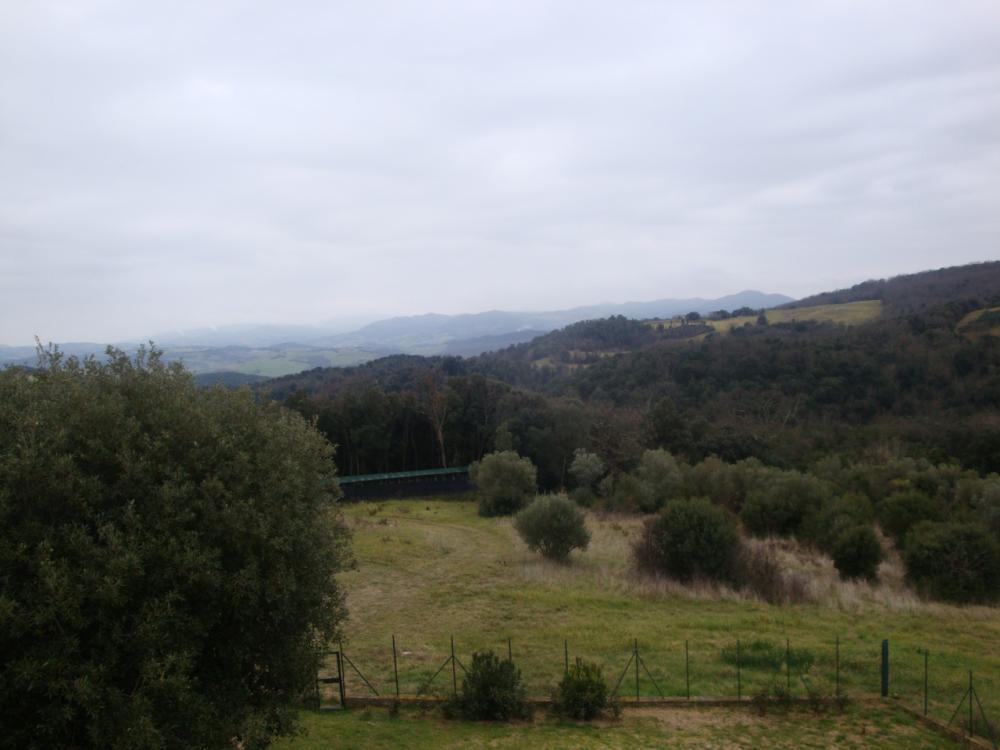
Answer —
858 727
428 569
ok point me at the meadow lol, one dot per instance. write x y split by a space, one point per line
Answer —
860 727
848 313
430 569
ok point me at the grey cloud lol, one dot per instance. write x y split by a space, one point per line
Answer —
169 165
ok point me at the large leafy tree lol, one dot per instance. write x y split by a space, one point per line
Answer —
167 558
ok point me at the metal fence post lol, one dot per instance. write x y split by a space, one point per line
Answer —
340 674
971 730
635 654
510 654
687 670
739 680
885 668
837 659
925 682
788 669
454 675
395 668
565 656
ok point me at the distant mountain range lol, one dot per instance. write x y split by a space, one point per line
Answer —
272 350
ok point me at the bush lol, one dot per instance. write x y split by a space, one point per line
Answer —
857 553
956 562
582 693
491 691
554 526
782 505
586 470
167 558
505 482
627 494
659 479
688 538
718 481
901 511
837 516
757 570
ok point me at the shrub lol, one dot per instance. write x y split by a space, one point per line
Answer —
857 553
586 470
626 494
957 562
491 691
582 693
901 511
167 558
837 516
715 479
688 538
986 504
758 571
554 526
659 479
505 481
781 506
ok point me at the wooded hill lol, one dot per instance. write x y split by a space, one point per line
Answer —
909 381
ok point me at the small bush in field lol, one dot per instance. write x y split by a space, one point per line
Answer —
505 480
857 553
689 538
553 525
491 691
757 570
582 693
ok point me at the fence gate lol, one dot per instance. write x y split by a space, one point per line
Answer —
324 677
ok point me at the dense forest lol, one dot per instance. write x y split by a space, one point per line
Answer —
908 383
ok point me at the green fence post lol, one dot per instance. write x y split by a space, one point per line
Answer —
885 668
788 669
837 659
971 729
687 670
395 669
925 682
739 682
454 674
635 653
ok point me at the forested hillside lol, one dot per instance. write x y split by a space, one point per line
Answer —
911 293
907 383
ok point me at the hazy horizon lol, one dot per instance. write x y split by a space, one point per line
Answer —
180 166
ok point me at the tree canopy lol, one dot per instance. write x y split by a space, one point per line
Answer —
167 558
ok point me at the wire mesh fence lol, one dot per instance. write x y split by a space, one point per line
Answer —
746 669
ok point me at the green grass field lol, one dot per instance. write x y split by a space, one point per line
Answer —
859 727
428 569
849 313
982 322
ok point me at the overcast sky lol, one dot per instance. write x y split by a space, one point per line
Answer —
168 165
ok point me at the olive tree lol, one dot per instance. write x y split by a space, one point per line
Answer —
505 481
554 525
167 558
